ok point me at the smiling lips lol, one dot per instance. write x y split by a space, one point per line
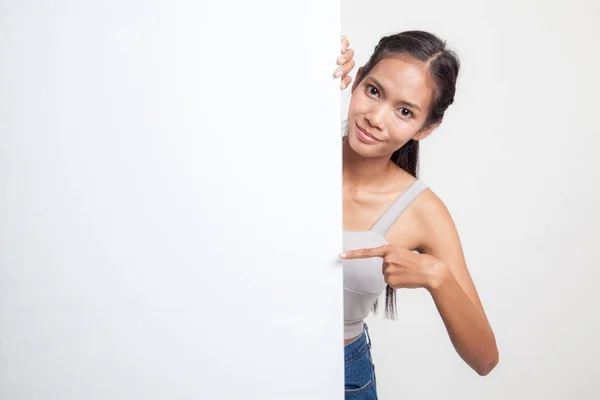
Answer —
365 136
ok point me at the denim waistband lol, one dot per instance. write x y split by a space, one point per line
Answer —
358 346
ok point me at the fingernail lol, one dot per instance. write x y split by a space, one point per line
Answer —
341 60
338 74
342 255
343 86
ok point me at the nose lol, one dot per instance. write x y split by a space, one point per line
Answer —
376 117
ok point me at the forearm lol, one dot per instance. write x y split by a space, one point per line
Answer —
467 326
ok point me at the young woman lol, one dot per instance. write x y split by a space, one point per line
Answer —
397 231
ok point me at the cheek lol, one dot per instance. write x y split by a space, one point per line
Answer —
357 104
401 131
351 106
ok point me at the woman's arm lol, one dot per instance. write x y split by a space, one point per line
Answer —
453 291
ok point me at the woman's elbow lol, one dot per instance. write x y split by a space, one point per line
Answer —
487 367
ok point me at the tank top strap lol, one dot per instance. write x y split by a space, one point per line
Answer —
394 211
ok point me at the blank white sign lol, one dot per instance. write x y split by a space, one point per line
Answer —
170 200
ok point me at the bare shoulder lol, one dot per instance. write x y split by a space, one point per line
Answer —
435 225
424 224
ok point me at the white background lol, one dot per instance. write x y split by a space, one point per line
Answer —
170 200
516 163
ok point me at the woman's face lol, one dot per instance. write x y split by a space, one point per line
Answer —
389 106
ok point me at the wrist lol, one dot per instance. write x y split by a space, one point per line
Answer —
436 278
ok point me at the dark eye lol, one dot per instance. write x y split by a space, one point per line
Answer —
405 112
372 90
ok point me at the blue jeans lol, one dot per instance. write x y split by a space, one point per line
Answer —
359 371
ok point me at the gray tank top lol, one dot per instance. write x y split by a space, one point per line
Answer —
363 278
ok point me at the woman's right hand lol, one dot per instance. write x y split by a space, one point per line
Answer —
346 62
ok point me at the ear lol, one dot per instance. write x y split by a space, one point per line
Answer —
424 132
355 84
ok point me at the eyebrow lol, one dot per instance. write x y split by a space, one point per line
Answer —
403 102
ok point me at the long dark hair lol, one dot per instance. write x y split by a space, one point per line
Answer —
443 65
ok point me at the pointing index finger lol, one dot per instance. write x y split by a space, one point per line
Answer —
366 253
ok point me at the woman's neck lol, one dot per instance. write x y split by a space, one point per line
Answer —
364 173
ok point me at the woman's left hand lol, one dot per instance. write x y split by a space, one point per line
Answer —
346 62
403 268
